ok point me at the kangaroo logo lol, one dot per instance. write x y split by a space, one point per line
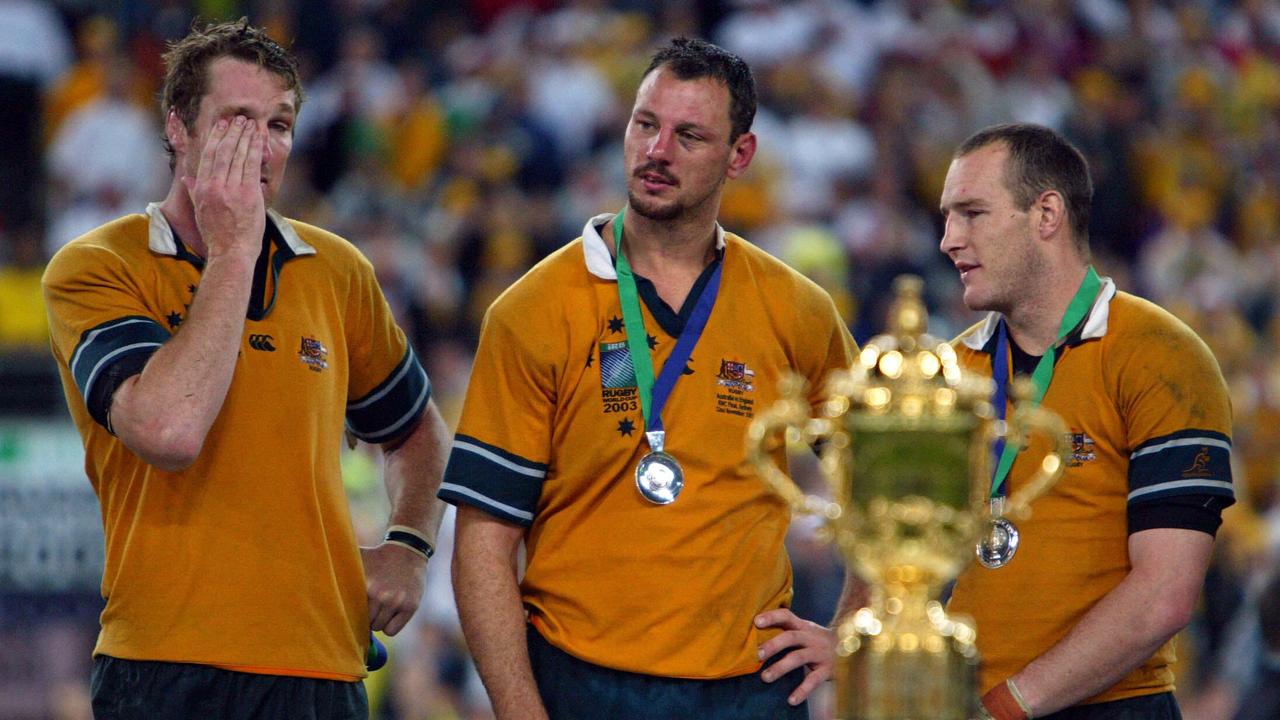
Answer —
261 342
1200 465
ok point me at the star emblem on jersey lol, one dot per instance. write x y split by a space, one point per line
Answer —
653 341
626 427
591 356
174 319
615 324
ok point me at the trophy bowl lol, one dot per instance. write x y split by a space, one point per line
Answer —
905 438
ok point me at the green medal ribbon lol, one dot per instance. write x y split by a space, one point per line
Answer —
637 343
1040 377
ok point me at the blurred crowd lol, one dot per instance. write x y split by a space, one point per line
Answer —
458 143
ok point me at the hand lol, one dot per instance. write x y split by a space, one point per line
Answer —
226 192
814 648
394 577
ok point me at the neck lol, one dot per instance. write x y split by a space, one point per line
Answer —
181 214
1034 321
657 248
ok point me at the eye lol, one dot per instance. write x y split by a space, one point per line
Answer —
644 124
689 137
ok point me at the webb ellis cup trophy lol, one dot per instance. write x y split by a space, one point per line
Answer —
906 439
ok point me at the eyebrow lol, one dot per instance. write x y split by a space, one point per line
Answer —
961 205
245 110
680 127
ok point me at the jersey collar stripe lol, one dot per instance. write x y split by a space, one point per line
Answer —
596 251
485 501
1094 327
1216 487
1213 442
498 460
93 335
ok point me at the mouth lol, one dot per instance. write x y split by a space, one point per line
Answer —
965 268
655 181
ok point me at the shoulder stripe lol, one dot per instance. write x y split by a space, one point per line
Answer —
93 334
498 460
485 502
1181 442
1213 487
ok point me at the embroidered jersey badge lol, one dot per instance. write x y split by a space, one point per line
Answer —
736 381
1081 449
618 391
736 376
313 354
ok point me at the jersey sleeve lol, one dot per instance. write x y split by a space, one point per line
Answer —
833 346
1178 418
98 318
502 448
388 389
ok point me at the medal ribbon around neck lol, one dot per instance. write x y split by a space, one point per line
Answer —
654 394
1040 377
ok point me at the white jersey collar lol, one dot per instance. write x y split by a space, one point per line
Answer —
1095 325
161 240
596 250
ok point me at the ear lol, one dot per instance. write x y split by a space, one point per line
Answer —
744 148
176 131
1052 214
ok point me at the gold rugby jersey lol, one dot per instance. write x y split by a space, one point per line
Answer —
247 559
1149 420
551 432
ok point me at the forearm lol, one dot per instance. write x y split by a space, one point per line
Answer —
412 474
1114 637
493 621
1127 626
164 413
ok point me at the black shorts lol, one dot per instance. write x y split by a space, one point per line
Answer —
574 689
1161 706
145 690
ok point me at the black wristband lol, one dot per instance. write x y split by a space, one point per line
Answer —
410 540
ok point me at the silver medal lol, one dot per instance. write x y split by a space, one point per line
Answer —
658 475
998 547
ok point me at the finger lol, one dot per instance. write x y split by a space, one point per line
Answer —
778 643
380 614
253 160
804 689
397 622
781 617
226 150
210 149
236 170
787 663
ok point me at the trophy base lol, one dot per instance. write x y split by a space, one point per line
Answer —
892 676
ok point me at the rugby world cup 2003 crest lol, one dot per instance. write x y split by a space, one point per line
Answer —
313 354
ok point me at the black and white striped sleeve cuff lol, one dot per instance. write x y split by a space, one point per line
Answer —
1187 462
134 337
501 483
394 405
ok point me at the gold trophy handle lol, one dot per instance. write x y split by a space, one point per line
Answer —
790 417
1027 420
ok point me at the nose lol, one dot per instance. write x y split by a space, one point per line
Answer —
951 235
660 146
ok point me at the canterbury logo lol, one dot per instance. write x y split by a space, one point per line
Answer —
261 342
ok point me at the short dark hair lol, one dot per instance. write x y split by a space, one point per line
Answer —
691 59
186 76
1041 159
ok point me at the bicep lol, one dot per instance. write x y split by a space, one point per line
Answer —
1172 562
